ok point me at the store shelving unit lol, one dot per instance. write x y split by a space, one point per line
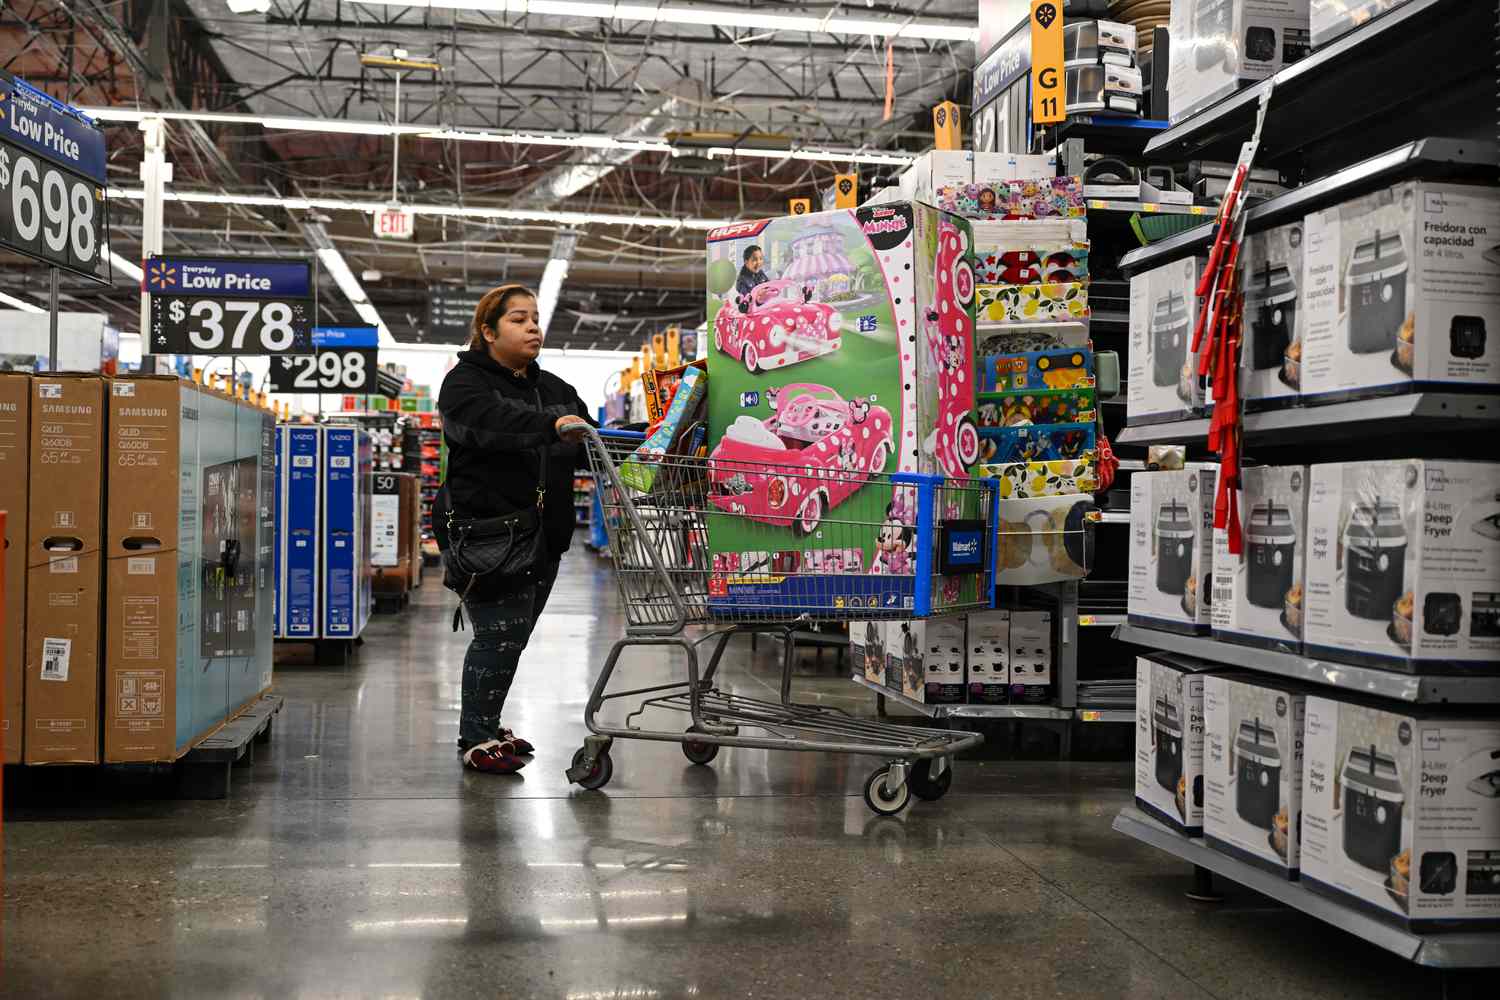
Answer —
1149 207
1048 713
1444 951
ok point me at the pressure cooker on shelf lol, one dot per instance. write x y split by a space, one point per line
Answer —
1171 327
1271 305
1374 560
1166 719
1377 291
1271 550
1174 546
1373 801
1257 794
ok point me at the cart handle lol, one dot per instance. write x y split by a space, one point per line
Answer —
621 434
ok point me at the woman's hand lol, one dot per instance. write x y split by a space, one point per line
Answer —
570 428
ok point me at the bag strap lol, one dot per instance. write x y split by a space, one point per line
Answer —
541 470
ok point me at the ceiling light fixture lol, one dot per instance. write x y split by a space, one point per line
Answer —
828 24
550 288
129 268
20 304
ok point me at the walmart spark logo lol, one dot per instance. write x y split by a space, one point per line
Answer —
161 277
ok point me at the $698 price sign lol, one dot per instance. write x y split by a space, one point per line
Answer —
50 213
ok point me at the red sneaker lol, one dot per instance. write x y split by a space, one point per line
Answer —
522 746
493 757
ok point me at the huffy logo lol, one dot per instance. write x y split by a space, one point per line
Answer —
738 229
845 185
1046 14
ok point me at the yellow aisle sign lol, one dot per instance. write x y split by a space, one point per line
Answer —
1048 103
845 190
799 206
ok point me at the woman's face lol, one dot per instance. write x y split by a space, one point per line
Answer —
516 338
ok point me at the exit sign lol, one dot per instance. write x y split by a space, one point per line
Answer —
395 223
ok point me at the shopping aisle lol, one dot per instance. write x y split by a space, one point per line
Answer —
357 859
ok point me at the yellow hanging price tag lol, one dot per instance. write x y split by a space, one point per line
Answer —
1048 100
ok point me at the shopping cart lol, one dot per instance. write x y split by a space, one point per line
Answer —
933 555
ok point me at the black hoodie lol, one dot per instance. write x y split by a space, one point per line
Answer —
495 423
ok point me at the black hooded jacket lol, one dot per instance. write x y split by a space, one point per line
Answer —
495 423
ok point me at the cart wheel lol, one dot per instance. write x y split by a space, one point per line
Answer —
699 751
604 769
924 786
883 800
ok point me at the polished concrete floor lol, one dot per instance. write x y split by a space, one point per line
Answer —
356 859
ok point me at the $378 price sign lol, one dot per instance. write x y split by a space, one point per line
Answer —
228 306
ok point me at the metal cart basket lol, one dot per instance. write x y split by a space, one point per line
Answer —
933 553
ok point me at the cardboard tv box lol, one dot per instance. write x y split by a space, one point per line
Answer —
1258 595
1169 739
1401 289
1171 549
1401 811
64 572
15 449
1271 352
1252 769
1163 382
1403 565
989 657
848 353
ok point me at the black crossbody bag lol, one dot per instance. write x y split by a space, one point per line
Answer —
510 546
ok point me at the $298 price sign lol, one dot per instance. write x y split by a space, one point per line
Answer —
228 306
337 370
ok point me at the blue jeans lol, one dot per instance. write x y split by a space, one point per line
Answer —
502 626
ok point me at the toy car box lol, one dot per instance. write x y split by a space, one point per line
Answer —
1258 595
842 352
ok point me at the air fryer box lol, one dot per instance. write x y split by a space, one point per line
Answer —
1271 351
944 660
1171 548
1258 595
1220 45
1252 769
1163 383
1030 656
15 447
1403 565
1401 812
64 533
1169 740
989 657
1401 290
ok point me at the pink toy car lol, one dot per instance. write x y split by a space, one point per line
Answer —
954 441
796 466
780 328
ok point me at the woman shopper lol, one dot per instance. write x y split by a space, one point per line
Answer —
512 431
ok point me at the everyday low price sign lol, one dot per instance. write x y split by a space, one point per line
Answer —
220 305
53 203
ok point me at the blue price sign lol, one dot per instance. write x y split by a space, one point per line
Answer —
345 362
222 305
53 203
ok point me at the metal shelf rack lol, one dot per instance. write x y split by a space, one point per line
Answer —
1461 950
1424 689
1048 713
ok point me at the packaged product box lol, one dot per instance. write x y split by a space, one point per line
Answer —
1036 406
1218 45
1045 539
1051 301
1048 368
1171 548
1163 383
1045 198
989 656
1087 42
641 468
1271 353
934 169
870 310
1400 290
1403 565
1331 19
993 168
1024 259
867 650
1258 594
63 585
299 500
945 658
1030 656
1095 87
1252 769
15 450
1169 740
897 640
347 594
1400 813
1060 477
1037 442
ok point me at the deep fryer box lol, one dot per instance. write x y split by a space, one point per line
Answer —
1258 595
1400 292
1271 331
1169 739
1252 769
1219 45
1403 565
1401 811
1163 383
1171 548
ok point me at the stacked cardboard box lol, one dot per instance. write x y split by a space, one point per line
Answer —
15 448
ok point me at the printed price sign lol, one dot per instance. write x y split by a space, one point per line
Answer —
53 204
219 305
1048 100
345 362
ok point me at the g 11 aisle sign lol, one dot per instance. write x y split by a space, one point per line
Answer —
53 202
222 305
345 362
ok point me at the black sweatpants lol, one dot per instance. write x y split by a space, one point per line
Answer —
502 626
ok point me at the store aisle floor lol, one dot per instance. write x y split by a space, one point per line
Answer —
357 859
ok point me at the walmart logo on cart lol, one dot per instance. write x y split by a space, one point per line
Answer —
203 277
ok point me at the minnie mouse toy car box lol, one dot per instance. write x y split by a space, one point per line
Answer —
842 352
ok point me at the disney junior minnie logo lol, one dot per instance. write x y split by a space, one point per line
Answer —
1046 14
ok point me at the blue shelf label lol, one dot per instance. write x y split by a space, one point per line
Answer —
333 337
211 277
